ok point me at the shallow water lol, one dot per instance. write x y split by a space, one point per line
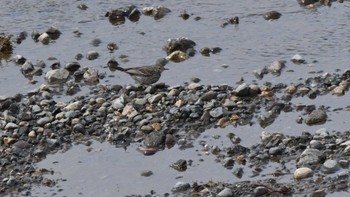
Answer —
320 35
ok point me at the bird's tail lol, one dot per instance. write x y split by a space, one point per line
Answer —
114 65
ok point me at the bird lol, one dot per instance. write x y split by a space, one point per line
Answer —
146 75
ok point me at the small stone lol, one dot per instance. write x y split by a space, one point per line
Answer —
146 173
217 112
208 96
118 103
316 144
261 191
318 193
180 187
32 134
42 121
330 166
11 125
343 174
155 98
298 59
74 106
242 90
178 56
311 158
272 15
44 38
302 173
92 55
194 86
227 192
57 76
316 117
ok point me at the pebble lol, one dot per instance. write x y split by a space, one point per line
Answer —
226 192
57 76
302 173
310 158
318 193
298 59
261 191
92 55
330 166
316 117
11 125
146 173
181 186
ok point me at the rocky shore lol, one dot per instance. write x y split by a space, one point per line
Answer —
159 116
34 125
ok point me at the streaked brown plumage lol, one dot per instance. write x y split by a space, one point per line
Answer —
146 75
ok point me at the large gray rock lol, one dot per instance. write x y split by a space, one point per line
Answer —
311 158
57 76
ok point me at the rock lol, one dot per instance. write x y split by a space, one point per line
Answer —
53 33
11 125
318 193
177 56
74 106
72 66
180 165
57 76
298 59
316 117
32 134
116 17
226 192
27 68
316 144
330 166
272 15
261 191
217 112
157 12
155 98
275 151
92 55
154 140
311 158
302 173
91 76
146 173
42 121
242 90
180 187
276 67
205 51
183 44
209 96
118 103
44 38
147 151
194 86
21 144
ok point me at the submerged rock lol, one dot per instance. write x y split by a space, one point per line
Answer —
272 15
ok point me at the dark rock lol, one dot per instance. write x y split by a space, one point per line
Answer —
183 44
154 140
316 117
272 15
